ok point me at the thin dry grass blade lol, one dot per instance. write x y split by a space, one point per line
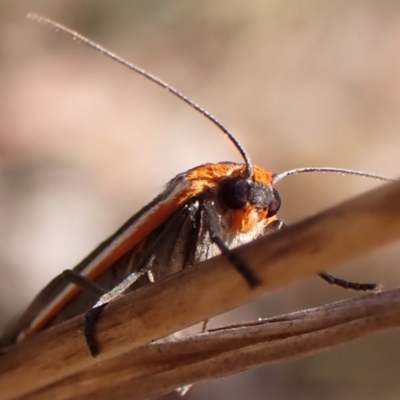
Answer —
50 359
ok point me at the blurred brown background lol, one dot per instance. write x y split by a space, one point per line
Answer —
85 143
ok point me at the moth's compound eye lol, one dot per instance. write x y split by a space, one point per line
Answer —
275 204
234 192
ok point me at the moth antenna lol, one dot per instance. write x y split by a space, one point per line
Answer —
77 36
279 176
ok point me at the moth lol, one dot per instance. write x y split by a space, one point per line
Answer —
202 212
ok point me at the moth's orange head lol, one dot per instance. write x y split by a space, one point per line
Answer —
249 200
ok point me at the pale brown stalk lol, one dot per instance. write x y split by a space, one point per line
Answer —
56 364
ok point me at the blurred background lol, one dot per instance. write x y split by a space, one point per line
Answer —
84 143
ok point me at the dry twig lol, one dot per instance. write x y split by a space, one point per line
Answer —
55 364
162 366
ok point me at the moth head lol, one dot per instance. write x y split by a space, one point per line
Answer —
239 193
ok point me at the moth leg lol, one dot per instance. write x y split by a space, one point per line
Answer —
143 268
90 321
236 261
364 287
205 325
274 226
93 314
84 283
332 280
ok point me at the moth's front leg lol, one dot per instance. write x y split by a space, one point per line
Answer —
216 237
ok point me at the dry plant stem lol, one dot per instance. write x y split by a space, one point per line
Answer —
312 245
162 366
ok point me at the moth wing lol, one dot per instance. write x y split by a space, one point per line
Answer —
169 256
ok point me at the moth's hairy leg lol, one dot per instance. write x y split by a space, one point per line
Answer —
216 237
333 280
84 283
363 287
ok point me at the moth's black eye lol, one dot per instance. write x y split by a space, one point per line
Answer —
275 203
234 192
